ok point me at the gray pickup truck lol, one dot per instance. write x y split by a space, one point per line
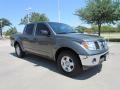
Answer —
73 52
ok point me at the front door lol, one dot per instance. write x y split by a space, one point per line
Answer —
44 43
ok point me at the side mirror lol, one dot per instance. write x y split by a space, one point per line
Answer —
45 32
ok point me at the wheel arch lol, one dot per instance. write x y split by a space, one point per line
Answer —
19 43
64 49
15 43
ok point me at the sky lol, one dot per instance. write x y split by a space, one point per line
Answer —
14 10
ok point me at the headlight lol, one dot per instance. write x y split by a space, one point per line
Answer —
89 45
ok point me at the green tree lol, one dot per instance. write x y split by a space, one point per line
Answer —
107 28
94 28
34 17
100 12
4 22
118 27
80 29
11 31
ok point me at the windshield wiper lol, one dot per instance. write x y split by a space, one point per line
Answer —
66 32
72 32
63 33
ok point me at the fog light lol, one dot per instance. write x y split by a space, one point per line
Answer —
94 60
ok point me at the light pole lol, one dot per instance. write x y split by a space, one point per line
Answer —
59 13
28 13
1 27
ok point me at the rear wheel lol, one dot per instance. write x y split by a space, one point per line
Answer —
19 51
69 64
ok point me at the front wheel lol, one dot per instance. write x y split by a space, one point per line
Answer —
19 51
69 64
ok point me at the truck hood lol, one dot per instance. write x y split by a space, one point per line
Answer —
80 37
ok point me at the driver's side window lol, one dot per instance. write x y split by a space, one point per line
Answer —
41 26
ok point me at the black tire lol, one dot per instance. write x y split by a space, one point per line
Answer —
21 54
75 59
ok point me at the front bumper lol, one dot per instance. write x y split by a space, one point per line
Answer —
93 60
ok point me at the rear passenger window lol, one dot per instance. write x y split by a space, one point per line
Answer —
29 29
41 26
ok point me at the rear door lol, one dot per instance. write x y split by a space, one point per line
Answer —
28 37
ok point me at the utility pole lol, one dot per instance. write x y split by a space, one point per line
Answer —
1 28
28 14
59 13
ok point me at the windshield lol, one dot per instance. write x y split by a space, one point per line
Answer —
60 28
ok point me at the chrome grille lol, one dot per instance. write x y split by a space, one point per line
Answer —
97 45
100 45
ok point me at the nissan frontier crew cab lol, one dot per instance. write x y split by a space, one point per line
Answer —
73 52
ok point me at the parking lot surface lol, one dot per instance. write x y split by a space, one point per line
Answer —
36 73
